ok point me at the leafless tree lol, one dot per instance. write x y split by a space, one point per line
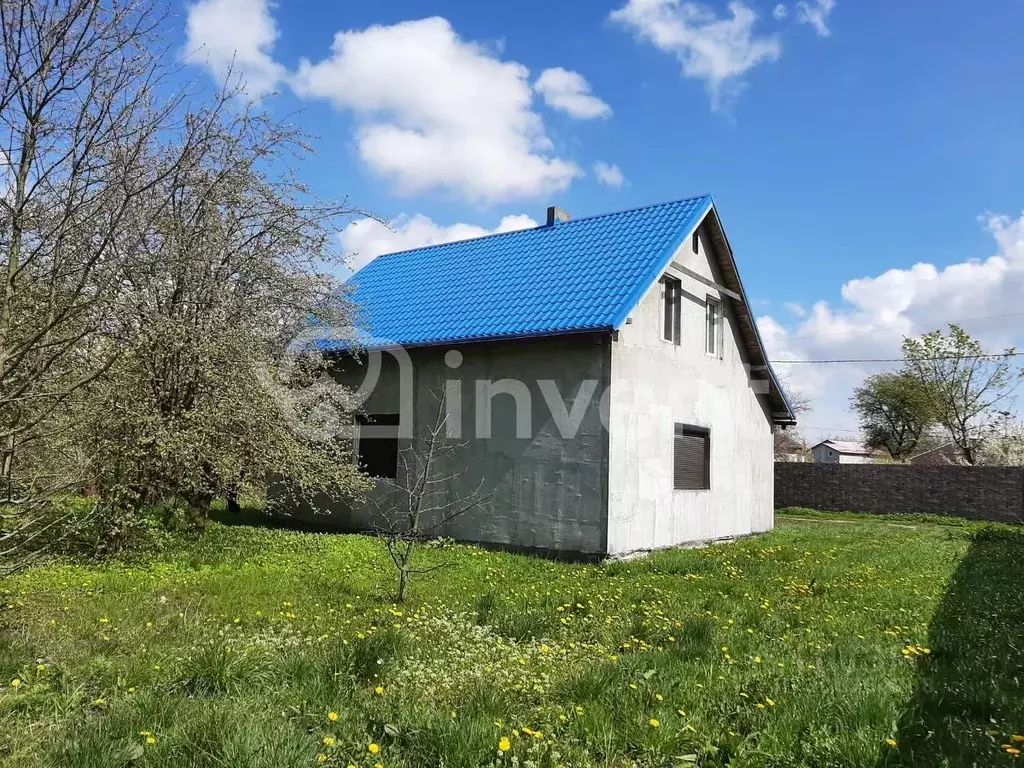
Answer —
790 440
151 236
415 507
78 119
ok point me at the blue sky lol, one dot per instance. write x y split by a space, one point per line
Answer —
842 140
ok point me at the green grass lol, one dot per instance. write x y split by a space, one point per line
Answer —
811 646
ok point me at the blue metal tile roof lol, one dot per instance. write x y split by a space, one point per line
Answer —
582 275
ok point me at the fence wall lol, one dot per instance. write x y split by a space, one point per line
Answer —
977 493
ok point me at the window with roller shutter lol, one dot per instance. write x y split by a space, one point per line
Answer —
692 458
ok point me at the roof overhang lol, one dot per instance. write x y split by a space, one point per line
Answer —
780 410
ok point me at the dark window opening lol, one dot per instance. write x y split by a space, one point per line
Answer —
691 460
696 243
378 454
713 324
673 308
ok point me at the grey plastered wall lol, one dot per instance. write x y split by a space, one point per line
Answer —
547 492
656 384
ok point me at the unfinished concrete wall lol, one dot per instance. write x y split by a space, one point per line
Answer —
656 384
547 492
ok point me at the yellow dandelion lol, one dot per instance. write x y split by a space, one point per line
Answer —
655 723
891 742
332 716
151 739
321 758
15 683
330 741
504 745
379 690
374 749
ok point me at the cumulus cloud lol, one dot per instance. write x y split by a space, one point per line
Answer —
366 239
438 112
235 36
608 173
815 13
570 92
718 51
780 12
983 295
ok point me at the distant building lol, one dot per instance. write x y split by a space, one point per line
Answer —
946 455
790 447
844 452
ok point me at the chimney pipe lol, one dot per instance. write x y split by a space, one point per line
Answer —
557 214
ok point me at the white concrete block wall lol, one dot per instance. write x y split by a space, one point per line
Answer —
656 385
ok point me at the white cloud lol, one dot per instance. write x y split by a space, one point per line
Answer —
439 113
235 36
718 51
367 239
609 174
570 92
795 308
877 312
780 12
815 13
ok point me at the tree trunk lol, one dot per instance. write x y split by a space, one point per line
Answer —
404 572
403 584
199 510
234 507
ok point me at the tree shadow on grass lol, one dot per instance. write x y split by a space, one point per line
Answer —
969 699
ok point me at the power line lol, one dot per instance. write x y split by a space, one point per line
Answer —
896 359
829 429
956 322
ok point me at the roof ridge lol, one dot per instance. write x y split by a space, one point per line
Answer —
542 226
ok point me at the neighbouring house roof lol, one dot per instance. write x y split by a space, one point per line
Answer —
577 276
849 448
945 454
787 443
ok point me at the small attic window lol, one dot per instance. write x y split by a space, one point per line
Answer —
673 294
696 243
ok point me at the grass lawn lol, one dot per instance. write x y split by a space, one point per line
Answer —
830 642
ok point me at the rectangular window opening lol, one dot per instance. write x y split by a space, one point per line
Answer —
378 454
691 458
696 243
712 340
673 309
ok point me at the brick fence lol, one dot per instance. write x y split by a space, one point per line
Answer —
977 493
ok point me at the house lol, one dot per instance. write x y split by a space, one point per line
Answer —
604 374
844 452
790 447
945 455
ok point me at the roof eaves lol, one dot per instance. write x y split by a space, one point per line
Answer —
789 418
685 229
343 346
